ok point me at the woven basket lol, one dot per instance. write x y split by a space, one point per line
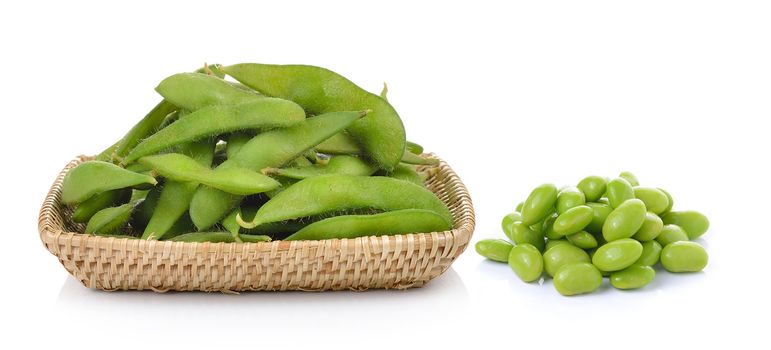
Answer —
399 261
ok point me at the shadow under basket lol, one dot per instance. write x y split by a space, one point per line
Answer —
398 261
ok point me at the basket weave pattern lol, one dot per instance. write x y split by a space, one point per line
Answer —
399 261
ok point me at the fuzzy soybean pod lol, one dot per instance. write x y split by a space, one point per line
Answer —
414 159
407 172
92 177
265 113
340 164
193 91
624 221
388 223
338 193
278 229
233 180
269 149
539 204
235 141
526 261
414 148
110 220
692 222
84 211
494 249
318 90
619 191
344 143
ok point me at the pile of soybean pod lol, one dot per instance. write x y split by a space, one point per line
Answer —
288 152
600 228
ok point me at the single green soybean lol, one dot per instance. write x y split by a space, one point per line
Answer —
269 149
577 278
526 261
684 257
388 223
600 213
671 233
539 204
508 221
619 191
669 199
694 223
217 237
563 254
339 164
334 193
319 91
593 187
650 253
92 177
583 240
84 211
553 242
233 180
650 229
193 91
494 249
632 277
617 255
630 178
547 228
264 113
624 221
568 198
655 200
110 220
522 234
573 220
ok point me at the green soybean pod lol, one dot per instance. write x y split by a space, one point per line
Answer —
539 204
563 254
650 253
593 187
632 277
414 148
577 278
630 178
655 200
694 223
617 255
235 141
619 190
388 223
84 211
583 240
494 249
260 114
669 199
319 91
573 220
568 198
522 234
402 171
411 158
684 256
624 221
145 208
671 233
92 177
193 91
110 220
650 229
340 143
508 220
338 164
526 261
332 193
600 213
144 128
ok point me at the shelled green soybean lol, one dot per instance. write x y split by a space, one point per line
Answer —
289 152
601 227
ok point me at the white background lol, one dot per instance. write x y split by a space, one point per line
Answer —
511 94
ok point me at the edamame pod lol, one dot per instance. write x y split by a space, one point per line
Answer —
414 148
233 180
692 222
193 91
92 177
494 249
146 127
632 277
407 172
340 143
339 164
617 255
84 211
526 261
624 221
539 204
265 113
388 223
273 229
655 200
684 257
619 191
334 193
411 158
269 149
235 141
110 220
319 91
